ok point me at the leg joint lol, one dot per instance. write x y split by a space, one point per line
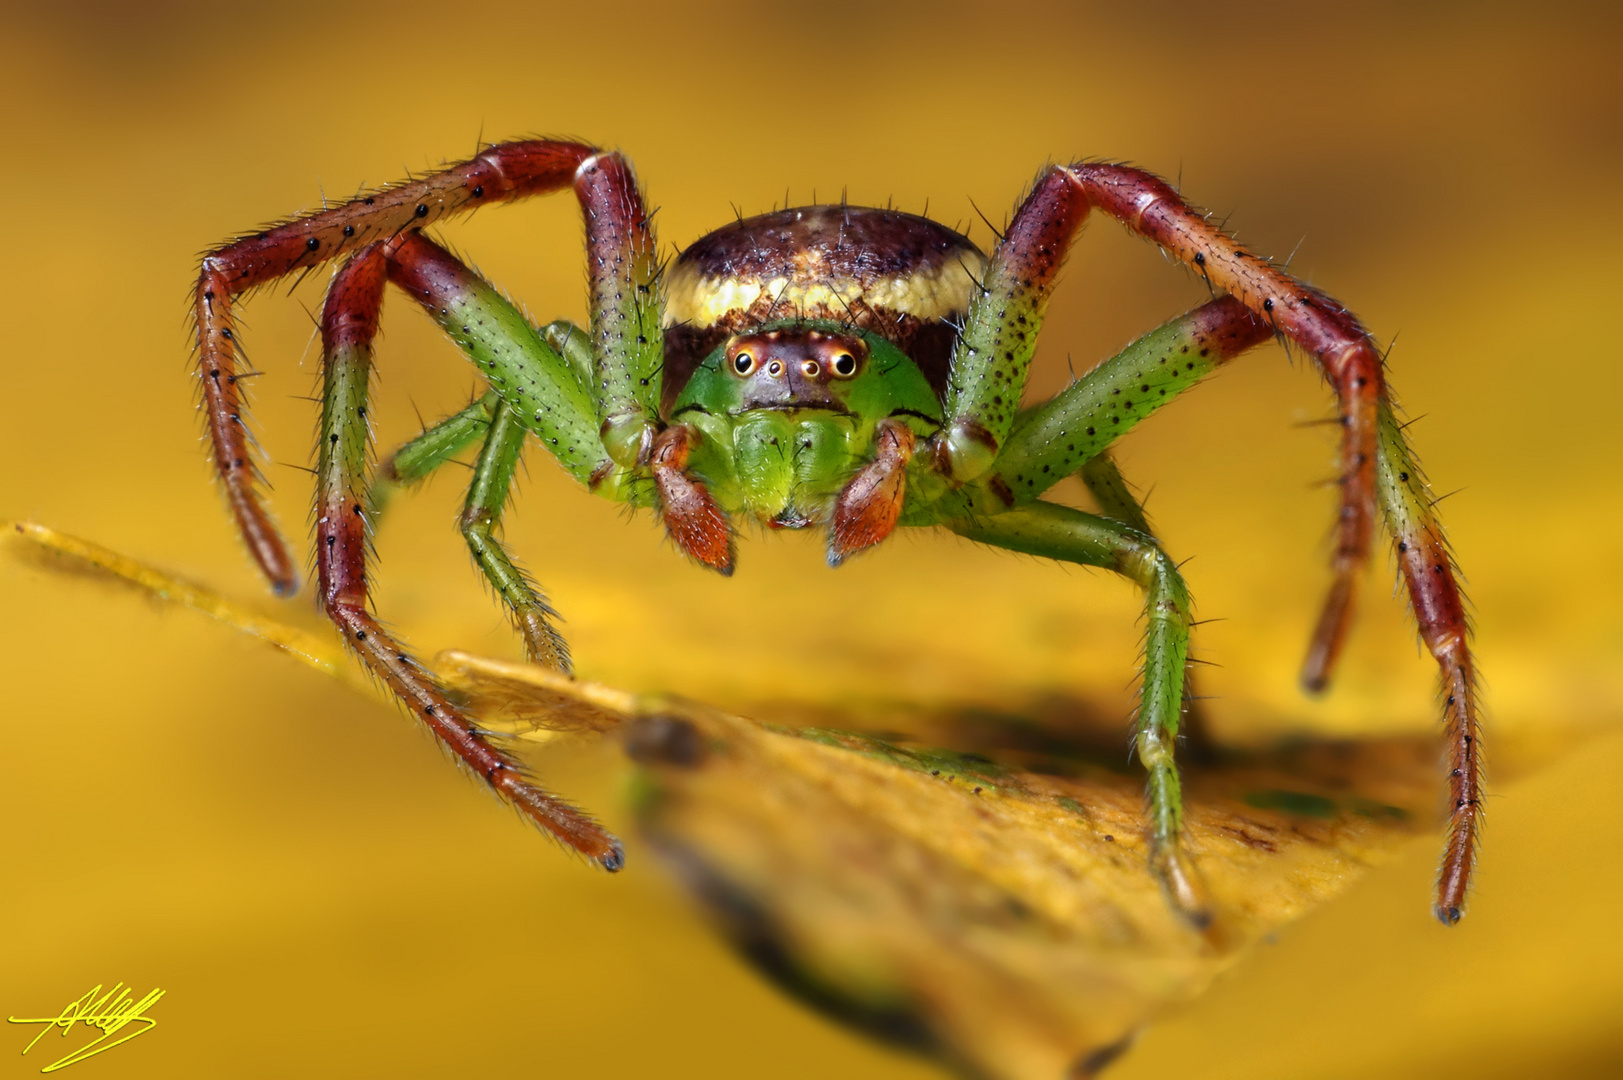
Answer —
477 523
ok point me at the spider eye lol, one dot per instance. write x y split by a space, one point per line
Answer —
845 365
743 362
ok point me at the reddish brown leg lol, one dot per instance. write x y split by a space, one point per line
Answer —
349 324
1428 570
499 174
1323 328
995 349
694 521
1350 360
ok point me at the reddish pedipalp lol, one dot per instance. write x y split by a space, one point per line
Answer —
867 510
695 523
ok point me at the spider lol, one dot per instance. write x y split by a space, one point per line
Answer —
831 367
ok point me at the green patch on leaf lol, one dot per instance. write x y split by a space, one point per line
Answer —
1293 802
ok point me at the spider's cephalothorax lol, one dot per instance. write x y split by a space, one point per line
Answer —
809 349
903 277
852 369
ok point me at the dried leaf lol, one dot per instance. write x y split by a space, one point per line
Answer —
1001 918
992 908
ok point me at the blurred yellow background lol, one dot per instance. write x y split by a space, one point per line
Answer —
321 894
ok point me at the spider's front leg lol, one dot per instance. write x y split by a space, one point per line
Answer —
348 326
617 241
992 359
1322 327
993 356
1372 447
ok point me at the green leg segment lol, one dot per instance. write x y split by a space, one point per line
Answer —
1058 532
1109 489
508 352
573 344
1116 500
481 520
1057 438
536 387
412 462
993 355
1076 425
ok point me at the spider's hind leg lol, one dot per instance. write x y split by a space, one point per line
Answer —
1116 500
481 520
414 460
490 419
1058 532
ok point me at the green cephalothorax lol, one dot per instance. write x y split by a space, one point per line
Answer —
788 414
842 368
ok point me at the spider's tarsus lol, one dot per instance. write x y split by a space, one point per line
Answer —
614 859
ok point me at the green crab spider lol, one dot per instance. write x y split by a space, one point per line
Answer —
832 367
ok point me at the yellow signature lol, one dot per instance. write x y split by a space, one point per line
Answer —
110 1014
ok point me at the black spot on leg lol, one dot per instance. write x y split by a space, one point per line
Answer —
312 244
349 230
422 210
478 191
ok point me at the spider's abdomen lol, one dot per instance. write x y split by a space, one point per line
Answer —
903 277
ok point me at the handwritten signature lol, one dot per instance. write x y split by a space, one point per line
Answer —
110 1013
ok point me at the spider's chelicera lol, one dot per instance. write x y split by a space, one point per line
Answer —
832 367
